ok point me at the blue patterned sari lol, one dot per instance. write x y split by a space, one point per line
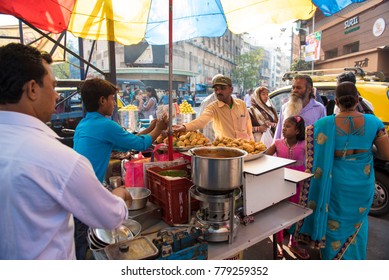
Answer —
340 192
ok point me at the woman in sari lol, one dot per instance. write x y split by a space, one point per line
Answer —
339 154
263 116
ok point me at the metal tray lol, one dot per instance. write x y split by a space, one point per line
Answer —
186 148
250 157
180 149
139 248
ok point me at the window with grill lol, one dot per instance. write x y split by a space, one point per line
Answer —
331 53
351 48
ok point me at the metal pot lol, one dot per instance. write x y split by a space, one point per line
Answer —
217 168
139 197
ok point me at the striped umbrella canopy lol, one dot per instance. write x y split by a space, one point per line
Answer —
161 22
131 21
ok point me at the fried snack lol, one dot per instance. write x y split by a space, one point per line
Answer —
184 139
159 139
249 146
191 138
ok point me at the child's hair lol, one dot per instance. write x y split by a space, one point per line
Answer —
300 125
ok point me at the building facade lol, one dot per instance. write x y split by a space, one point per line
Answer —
356 36
195 61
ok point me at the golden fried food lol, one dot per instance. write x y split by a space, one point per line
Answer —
249 146
191 138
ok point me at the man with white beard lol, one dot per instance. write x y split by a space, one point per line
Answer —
301 102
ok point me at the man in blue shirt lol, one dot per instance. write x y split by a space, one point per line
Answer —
96 136
164 98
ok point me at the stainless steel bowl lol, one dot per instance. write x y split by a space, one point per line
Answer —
139 196
128 230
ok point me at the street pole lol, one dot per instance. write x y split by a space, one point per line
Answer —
313 31
291 49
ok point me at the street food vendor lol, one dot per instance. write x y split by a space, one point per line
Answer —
43 182
96 136
229 115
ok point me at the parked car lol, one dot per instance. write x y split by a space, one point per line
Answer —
69 110
199 97
378 94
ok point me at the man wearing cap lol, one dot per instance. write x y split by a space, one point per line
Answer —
229 115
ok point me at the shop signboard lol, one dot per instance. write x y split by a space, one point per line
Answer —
312 46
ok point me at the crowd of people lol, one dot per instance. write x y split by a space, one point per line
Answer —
327 146
54 193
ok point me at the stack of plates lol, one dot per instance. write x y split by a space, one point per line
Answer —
100 238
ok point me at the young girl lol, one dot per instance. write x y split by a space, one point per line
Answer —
291 146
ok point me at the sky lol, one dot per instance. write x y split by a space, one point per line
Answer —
7 20
266 36
273 35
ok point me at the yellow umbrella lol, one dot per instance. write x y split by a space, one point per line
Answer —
130 22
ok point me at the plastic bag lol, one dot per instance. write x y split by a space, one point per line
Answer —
266 138
164 110
134 173
161 153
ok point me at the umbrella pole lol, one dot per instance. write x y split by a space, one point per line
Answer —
170 132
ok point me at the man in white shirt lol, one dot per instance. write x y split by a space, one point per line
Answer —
247 98
43 182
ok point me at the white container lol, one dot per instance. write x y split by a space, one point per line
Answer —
185 118
129 119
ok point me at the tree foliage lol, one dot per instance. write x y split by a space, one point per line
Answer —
300 65
61 70
247 69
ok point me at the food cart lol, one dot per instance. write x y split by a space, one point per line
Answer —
173 210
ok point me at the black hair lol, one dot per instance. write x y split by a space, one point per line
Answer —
20 64
93 89
300 125
307 79
347 94
136 92
347 77
153 92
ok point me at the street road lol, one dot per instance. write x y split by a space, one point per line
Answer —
377 249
